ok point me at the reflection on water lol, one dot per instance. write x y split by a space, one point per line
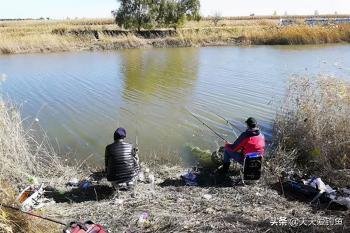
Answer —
158 84
80 98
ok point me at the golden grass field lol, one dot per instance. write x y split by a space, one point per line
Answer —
33 36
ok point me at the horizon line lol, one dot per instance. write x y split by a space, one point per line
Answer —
208 16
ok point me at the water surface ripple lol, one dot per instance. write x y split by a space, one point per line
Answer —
80 98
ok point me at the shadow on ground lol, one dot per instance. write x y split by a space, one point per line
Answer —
94 192
207 178
77 195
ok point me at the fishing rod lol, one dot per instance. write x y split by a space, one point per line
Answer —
232 126
34 215
217 134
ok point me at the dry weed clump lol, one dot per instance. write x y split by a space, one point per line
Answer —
313 123
22 157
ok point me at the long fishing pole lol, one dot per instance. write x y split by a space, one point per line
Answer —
34 215
232 126
217 134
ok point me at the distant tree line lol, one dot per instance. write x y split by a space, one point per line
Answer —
23 19
147 14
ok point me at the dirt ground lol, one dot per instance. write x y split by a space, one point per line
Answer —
217 204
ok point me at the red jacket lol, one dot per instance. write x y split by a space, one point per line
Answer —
250 141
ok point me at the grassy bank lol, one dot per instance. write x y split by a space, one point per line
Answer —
23 159
103 34
310 136
311 127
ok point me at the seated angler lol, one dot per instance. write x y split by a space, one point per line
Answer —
121 160
250 141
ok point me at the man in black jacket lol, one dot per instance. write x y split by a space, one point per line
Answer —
121 160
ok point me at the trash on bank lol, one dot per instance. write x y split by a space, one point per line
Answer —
190 179
141 177
31 198
316 191
74 182
85 185
119 201
143 220
151 179
207 196
146 176
318 184
86 227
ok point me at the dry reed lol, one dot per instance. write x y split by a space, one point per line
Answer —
98 34
23 157
300 34
313 125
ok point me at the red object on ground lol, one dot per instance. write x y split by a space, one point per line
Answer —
87 227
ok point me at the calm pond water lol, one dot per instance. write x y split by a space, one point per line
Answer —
81 98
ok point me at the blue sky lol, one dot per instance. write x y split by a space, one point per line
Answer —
101 8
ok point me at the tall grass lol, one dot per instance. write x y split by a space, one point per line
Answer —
72 35
23 158
312 126
299 34
37 36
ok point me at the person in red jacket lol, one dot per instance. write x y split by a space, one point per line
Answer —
250 141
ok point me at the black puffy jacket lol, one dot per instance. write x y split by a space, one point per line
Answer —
121 162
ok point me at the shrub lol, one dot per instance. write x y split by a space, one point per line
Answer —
314 123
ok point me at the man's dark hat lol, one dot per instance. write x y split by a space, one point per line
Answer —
251 122
120 133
